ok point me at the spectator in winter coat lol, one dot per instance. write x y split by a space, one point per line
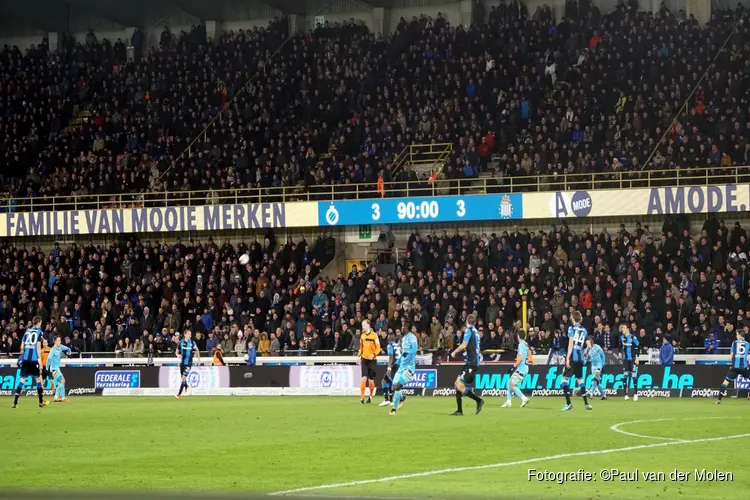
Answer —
711 344
212 342
666 353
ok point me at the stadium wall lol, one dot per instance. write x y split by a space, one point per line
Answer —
492 380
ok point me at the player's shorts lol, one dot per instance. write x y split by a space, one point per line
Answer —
29 368
596 371
368 368
517 378
628 366
468 374
185 370
402 377
733 372
575 370
56 375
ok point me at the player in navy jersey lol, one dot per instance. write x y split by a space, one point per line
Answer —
185 351
629 357
574 361
465 381
394 355
31 343
740 352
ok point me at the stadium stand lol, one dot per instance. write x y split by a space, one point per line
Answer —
515 96
541 98
664 283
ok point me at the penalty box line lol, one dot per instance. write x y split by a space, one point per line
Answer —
504 464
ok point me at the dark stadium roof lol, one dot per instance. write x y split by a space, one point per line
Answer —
50 15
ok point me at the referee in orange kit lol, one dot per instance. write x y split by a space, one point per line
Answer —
369 348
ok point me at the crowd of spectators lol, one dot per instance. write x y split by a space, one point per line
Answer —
662 285
139 296
135 296
588 92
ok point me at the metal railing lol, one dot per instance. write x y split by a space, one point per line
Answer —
464 186
423 157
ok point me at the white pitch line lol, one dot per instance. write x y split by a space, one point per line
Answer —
616 427
361 497
504 464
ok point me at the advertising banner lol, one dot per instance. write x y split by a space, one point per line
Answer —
325 377
742 383
418 210
200 377
651 380
83 381
423 379
341 380
637 201
260 376
117 379
155 220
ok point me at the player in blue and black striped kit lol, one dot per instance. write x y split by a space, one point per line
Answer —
31 343
465 381
185 351
740 352
629 356
575 360
394 355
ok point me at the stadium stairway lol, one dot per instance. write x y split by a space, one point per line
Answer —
81 117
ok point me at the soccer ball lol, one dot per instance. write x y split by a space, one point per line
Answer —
244 259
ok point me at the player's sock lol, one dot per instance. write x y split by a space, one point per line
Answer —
362 386
722 389
509 396
19 388
583 393
39 392
385 390
183 386
566 391
459 402
62 390
518 393
627 385
471 395
372 389
597 386
397 399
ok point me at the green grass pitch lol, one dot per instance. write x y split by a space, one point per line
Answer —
271 445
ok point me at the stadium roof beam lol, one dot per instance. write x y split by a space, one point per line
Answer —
47 15
206 11
289 6
386 4
116 11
